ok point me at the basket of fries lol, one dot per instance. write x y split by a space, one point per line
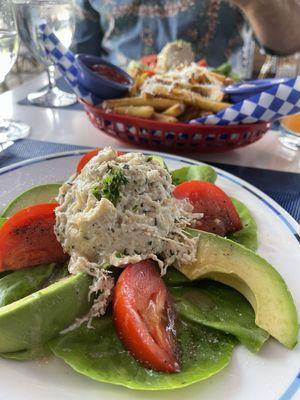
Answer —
174 136
173 103
157 110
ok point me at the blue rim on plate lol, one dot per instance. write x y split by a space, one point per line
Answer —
271 204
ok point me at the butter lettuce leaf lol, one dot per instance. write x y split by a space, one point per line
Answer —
247 236
2 220
4 273
98 354
30 354
195 173
221 307
173 277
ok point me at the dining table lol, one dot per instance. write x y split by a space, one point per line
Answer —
267 164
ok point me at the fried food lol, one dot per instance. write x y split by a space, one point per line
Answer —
190 98
156 102
175 111
178 94
164 118
140 112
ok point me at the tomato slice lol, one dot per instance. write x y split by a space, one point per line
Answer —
149 72
220 215
86 158
27 238
202 62
144 317
150 60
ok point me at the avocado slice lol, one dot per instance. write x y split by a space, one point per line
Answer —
228 262
37 194
160 160
23 282
39 317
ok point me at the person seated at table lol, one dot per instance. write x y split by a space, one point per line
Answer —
121 30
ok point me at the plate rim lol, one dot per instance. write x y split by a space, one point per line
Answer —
277 209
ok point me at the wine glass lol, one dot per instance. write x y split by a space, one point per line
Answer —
58 15
9 46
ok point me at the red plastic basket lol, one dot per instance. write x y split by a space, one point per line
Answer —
175 136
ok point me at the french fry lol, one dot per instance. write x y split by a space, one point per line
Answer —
164 118
139 78
189 98
155 102
161 103
192 113
213 92
141 112
175 111
134 90
182 94
214 75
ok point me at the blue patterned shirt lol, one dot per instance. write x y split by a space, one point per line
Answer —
121 30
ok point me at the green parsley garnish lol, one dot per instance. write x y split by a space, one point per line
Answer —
105 265
97 192
111 185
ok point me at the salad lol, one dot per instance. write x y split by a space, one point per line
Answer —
137 275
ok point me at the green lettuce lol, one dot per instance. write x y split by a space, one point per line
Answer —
2 220
247 236
30 354
226 70
175 278
221 307
210 315
194 172
98 354
4 273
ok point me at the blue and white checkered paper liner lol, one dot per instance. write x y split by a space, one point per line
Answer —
268 106
64 59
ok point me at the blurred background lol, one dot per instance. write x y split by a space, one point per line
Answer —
263 65
240 39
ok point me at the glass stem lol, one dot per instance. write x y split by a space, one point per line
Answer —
51 77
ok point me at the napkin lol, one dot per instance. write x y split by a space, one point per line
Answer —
65 61
280 100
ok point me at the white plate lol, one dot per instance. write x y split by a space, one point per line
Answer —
271 375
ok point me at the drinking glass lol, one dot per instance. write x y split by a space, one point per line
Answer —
58 15
290 131
9 46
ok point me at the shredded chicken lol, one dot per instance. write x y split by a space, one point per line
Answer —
120 210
